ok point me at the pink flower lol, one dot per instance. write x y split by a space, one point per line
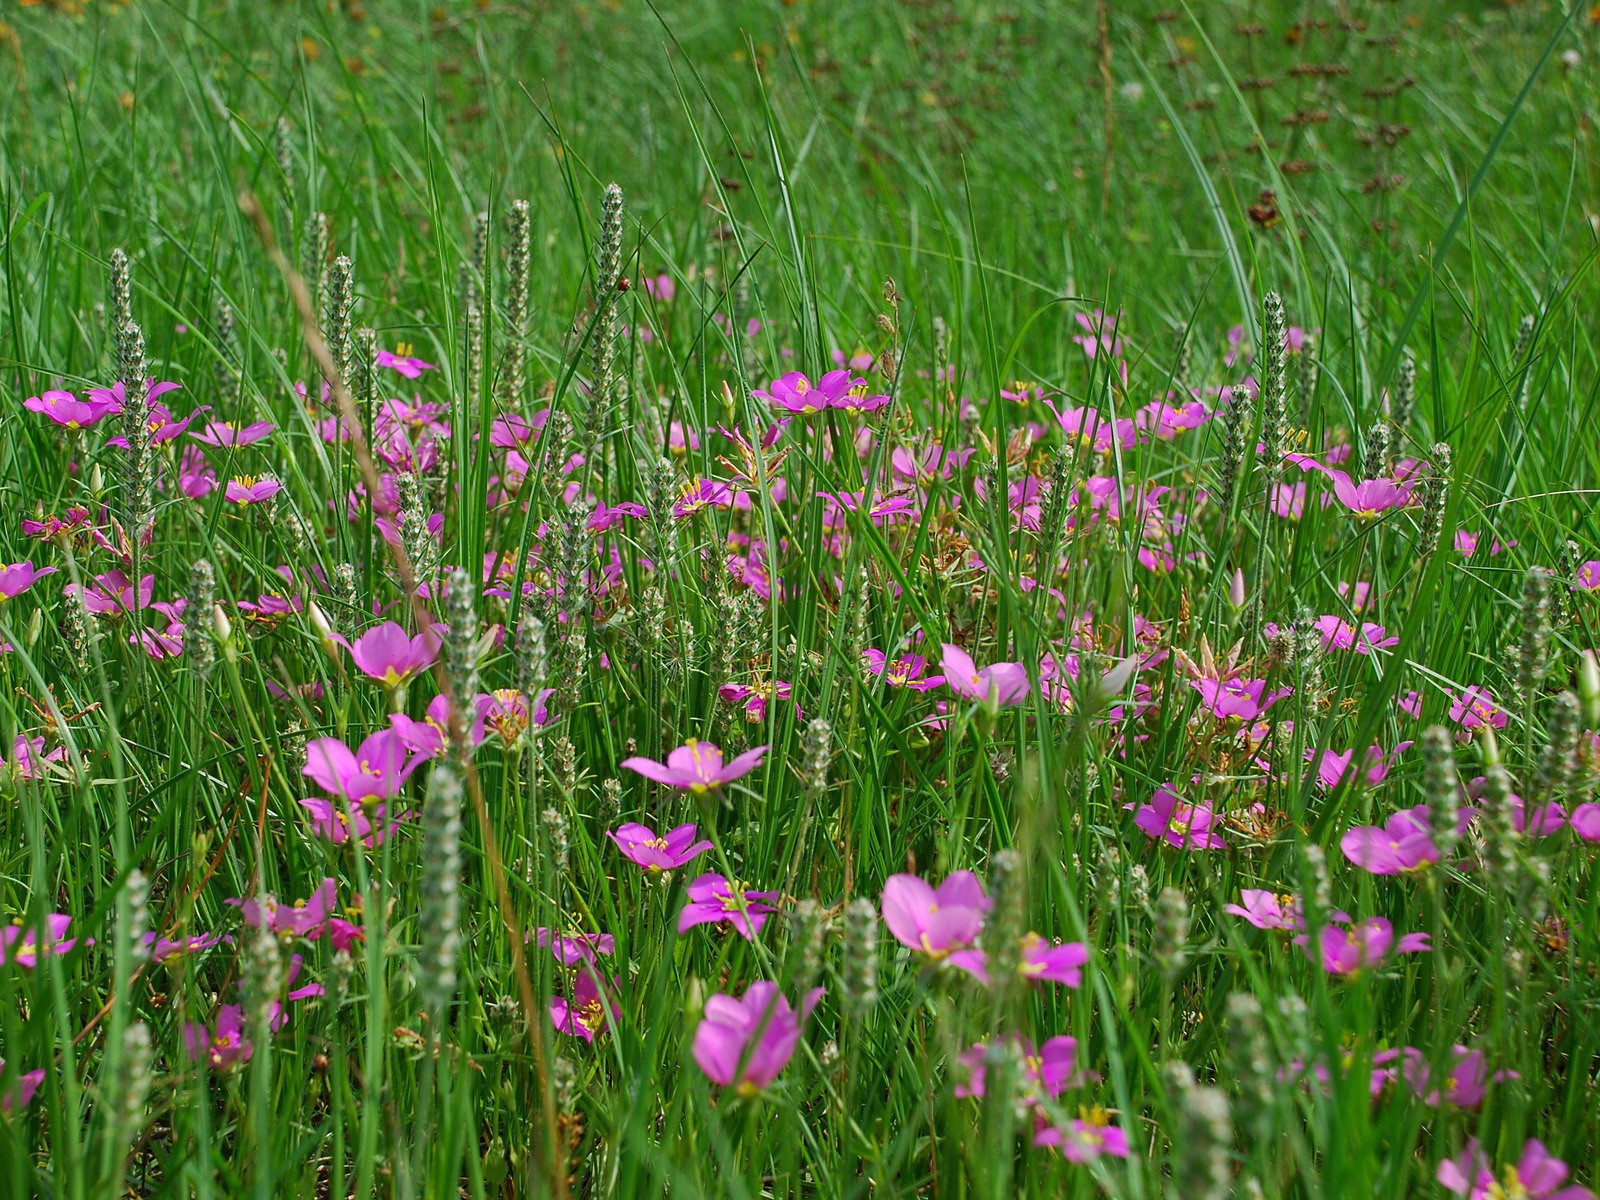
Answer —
1086 1138
1099 333
390 655
1039 961
714 900
700 494
1047 1070
69 412
378 769
1467 544
1338 634
1335 766
935 922
573 947
796 393
1006 683
112 594
162 949
1289 500
309 918
1173 820
1465 1081
1585 821
249 490
676 848
1538 1175
1476 708
661 288
746 1043
1237 699
227 1047
30 760
1087 428
1369 498
1401 846
905 671
1588 576
756 697
1363 944
20 945
582 1013
226 434
400 360
19 577
1268 910
367 821
27 1084
697 766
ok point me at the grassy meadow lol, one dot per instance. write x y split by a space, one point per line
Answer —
903 598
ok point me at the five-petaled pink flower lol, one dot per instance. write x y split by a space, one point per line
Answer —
249 490
226 434
1366 943
1038 960
640 846
390 655
699 494
69 412
796 393
745 1043
20 944
1237 699
1400 846
19 577
1170 818
225 1048
1266 909
400 360
697 766
573 947
581 1012
935 922
714 900
1538 1175
1476 708
1006 683
378 769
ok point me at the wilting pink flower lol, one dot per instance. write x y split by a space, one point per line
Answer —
699 494
226 434
935 922
697 766
1334 765
19 577
583 1012
640 846
378 769
607 515
162 949
1538 1175
1338 634
714 900
1475 708
390 655
905 671
27 1084
573 947
400 360
20 944
1237 699
1362 944
1039 961
1402 845
249 490
69 412
1005 682
746 1043
224 1049
29 759
1267 909
1370 497
1169 818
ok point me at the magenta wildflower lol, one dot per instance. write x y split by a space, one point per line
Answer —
697 766
905 671
573 947
1334 766
1039 961
112 593
247 489
935 922
30 760
1538 1175
1088 1136
1585 821
640 846
1401 846
162 426
227 435
164 949
1047 1070
69 412
19 577
745 1043
1588 576
1172 819
1476 708
1465 1082
308 918
796 393
366 821
1006 683
390 655
755 697
1362 944
1090 430
378 769
28 1083
582 1012
20 944
1370 497
1237 699
699 494
225 1048
714 900
399 359
1338 634
1267 909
